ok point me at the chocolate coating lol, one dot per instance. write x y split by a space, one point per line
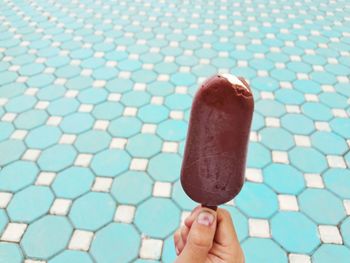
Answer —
216 148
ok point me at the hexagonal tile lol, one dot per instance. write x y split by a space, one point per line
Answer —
295 232
116 243
73 182
257 200
144 145
110 162
17 175
30 203
322 206
147 217
46 237
140 190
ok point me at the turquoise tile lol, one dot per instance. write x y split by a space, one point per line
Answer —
51 92
135 98
116 243
31 69
92 141
307 86
72 256
329 252
79 83
345 231
334 100
153 113
289 96
165 167
129 65
110 162
6 130
40 80
141 188
166 68
105 73
72 182
144 76
3 221
297 123
30 119
178 101
160 88
283 74
107 110
183 79
264 84
322 206
270 108
103 206
277 138
317 111
10 253
77 122
144 145
93 63
92 96
299 67
240 222
257 200
10 150
30 203
181 198
63 106
322 140
172 130
261 64
204 70
146 261
295 232
258 155
125 126
20 103
261 250
57 157
258 121
284 179
168 253
341 126
43 137
46 237
323 78
67 71
12 89
157 217
308 160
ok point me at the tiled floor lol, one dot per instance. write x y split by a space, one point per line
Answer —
94 106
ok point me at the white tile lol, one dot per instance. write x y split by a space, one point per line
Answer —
31 155
254 136
9 117
313 180
177 115
302 76
118 143
86 107
254 175
262 73
124 214
19 134
343 79
22 79
151 249
60 206
130 111
13 232
149 128
347 206
34 261
266 95
99 83
184 69
5 198
322 126
138 164
335 161
184 215
280 157
171 147
293 109
301 140
83 160
60 81
102 184
341 113
124 74
259 228
139 86
157 100
299 258
330 234
148 66
272 122
288 202
45 178
181 90
311 97
54 120
67 139
81 240
86 72
162 189
3 101
328 88
111 64
101 125
114 96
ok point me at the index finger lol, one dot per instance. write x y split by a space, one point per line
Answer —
225 231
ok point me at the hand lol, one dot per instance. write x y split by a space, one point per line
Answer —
208 237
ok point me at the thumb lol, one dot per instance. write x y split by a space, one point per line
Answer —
200 238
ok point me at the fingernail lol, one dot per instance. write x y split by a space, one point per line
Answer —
205 218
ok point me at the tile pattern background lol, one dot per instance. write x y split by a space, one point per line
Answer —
94 107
